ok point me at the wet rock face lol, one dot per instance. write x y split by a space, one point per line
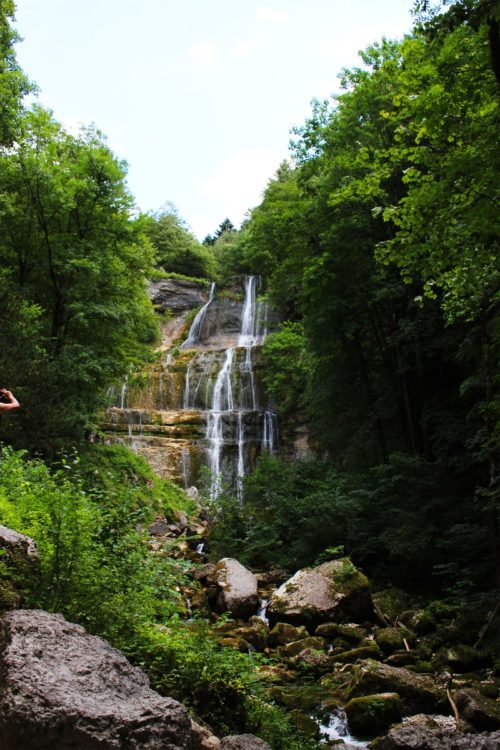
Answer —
333 591
63 688
177 295
237 588
20 560
434 733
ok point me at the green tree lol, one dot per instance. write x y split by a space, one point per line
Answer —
74 264
176 249
13 83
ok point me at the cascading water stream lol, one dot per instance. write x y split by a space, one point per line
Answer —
222 402
196 326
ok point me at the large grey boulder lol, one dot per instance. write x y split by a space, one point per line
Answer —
243 742
20 562
177 295
423 732
63 688
334 591
237 588
418 692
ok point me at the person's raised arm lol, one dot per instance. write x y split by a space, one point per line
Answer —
12 402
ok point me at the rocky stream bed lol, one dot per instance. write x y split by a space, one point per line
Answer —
352 667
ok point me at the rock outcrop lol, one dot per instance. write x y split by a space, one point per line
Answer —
333 591
423 732
21 567
177 295
62 688
418 692
237 588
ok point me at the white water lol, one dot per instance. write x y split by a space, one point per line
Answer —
230 409
196 326
337 729
222 401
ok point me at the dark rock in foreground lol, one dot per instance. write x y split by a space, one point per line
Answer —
20 558
434 733
63 688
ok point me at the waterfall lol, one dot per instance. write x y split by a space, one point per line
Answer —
206 407
197 324
231 409
222 401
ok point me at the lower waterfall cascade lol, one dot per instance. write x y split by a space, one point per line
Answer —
202 415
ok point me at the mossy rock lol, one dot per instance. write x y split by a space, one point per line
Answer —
373 714
294 648
369 650
423 622
391 602
393 639
460 658
283 633
418 692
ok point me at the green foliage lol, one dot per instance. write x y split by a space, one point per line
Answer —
220 684
13 83
74 287
288 367
291 513
95 566
176 249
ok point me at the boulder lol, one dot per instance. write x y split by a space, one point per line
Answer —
423 732
19 567
334 591
368 650
373 714
294 648
243 742
237 589
62 688
393 639
202 738
283 633
459 658
418 692
177 295
481 712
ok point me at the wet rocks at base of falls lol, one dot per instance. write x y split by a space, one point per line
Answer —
21 567
335 590
330 658
62 687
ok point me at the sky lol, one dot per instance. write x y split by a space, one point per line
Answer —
198 96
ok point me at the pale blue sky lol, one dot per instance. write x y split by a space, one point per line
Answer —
198 96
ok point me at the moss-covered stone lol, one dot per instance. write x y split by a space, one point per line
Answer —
373 714
418 692
369 650
393 639
283 633
294 648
